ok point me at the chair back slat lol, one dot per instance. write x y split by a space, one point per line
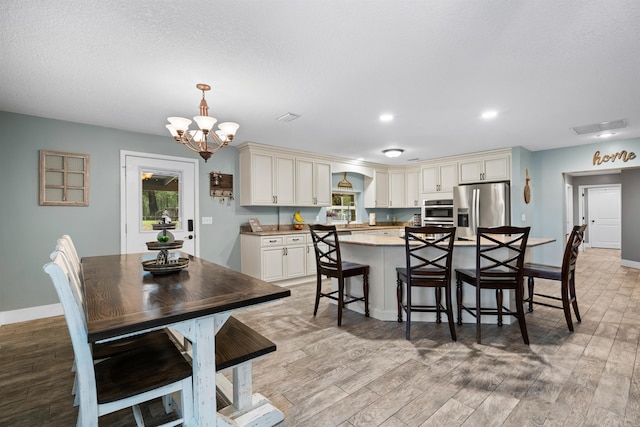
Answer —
504 259
326 246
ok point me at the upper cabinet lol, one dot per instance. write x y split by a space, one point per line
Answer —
271 177
412 186
439 177
266 178
397 188
376 190
313 183
485 168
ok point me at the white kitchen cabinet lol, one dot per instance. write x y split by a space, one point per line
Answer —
275 258
313 183
493 167
311 257
412 186
376 191
397 188
266 178
439 177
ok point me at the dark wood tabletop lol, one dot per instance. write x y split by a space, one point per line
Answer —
122 298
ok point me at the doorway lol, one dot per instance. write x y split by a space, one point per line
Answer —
155 188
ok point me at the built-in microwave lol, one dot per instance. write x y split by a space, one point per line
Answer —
437 212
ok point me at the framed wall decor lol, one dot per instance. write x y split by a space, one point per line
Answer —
64 179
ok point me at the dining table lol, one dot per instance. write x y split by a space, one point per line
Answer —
123 299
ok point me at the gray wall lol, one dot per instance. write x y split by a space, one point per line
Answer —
29 231
630 196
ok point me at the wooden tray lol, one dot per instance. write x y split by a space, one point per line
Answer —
172 267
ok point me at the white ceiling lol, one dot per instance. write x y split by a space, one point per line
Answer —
545 65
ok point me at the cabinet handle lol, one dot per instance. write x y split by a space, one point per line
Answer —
295 240
272 241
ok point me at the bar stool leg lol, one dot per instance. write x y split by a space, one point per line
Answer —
399 296
530 299
365 289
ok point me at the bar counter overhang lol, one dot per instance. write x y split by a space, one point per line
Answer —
384 253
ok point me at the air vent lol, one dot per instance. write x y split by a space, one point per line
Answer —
287 117
599 127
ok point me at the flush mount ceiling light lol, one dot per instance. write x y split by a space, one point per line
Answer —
492 114
198 140
386 117
393 152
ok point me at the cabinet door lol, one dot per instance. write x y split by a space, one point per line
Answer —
284 173
311 260
272 264
430 179
304 183
413 188
496 169
296 261
469 171
262 179
396 189
322 183
381 181
448 177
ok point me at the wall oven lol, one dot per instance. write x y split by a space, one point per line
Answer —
437 212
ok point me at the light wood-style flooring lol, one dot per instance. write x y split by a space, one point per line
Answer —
366 374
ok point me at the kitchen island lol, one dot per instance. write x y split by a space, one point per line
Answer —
384 253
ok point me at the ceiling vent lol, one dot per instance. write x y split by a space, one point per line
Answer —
287 117
599 127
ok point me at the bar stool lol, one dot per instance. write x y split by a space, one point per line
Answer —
428 265
566 275
329 263
499 266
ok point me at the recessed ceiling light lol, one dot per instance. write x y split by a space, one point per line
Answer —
360 159
492 114
605 134
393 152
386 117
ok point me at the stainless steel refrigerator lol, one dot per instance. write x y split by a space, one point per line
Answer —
481 205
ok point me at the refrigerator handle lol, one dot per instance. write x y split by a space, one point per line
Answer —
476 208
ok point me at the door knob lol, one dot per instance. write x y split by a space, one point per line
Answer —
190 236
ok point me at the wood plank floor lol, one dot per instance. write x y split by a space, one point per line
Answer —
366 374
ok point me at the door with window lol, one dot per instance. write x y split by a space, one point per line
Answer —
156 189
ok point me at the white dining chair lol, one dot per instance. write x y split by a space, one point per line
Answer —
69 249
125 380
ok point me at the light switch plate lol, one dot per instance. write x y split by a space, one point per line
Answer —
524 217
207 220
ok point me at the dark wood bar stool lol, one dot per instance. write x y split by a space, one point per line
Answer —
499 266
428 265
329 263
566 275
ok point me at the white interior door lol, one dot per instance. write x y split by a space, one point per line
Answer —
604 217
154 186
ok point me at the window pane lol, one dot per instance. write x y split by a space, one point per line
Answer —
160 198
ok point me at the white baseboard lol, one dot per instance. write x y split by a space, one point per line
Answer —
31 313
632 264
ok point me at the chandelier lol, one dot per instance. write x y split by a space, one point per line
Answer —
202 141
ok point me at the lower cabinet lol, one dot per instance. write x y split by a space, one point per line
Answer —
275 258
